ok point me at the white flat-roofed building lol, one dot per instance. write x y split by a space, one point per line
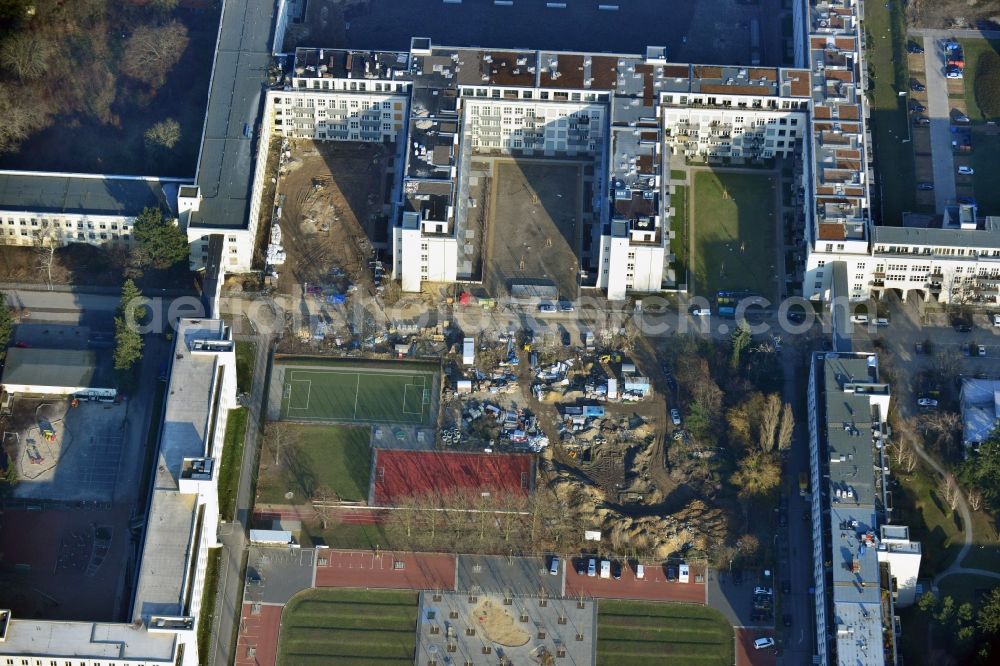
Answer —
181 525
903 559
862 563
43 209
40 643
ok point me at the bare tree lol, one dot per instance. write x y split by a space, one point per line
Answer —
324 501
26 54
786 429
164 134
770 417
21 116
152 51
276 437
975 498
46 242
950 491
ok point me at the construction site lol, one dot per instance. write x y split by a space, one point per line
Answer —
601 430
331 208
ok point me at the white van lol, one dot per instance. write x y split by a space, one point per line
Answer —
605 569
640 571
685 574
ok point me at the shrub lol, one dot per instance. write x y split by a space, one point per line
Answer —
988 84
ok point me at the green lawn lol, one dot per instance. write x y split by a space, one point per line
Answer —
679 245
207 616
733 226
635 633
917 503
390 394
985 144
319 455
348 627
232 457
246 358
886 56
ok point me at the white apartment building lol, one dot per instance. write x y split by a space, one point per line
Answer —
44 209
838 216
856 548
182 524
462 102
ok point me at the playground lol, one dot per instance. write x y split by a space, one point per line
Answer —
62 452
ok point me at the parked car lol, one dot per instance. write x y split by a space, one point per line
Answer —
675 416
592 567
566 306
918 348
966 170
546 307
927 402
959 117
881 321
640 571
700 312
925 186
763 643
581 567
917 107
859 319
554 565
915 48
684 573
671 574
953 72
996 319
967 201
921 120
917 86
981 350
616 569
605 569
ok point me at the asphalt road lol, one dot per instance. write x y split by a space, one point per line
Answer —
233 534
939 110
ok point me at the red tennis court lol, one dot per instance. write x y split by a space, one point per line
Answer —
402 474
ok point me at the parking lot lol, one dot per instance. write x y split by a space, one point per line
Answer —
654 585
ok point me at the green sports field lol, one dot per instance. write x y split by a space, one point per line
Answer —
362 394
348 627
637 633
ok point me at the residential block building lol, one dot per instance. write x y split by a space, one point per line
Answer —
863 563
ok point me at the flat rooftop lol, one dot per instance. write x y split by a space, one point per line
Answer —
87 640
57 368
78 194
170 530
849 382
226 162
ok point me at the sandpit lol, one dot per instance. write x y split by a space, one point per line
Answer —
498 625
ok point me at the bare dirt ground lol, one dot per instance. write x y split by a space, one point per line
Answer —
334 199
534 225
950 13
